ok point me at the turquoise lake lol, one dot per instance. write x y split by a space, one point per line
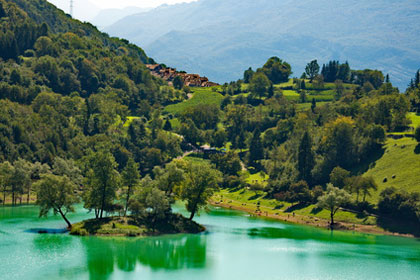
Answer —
235 246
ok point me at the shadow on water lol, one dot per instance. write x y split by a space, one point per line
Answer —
317 234
166 253
47 230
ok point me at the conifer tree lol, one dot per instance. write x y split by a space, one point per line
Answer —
256 149
167 126
313 105
306 159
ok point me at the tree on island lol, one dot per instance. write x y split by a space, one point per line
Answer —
102 182
312 69
170 177
56 193
201 182
333 200
151 204
130 179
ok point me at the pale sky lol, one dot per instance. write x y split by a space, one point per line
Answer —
87 9
104 4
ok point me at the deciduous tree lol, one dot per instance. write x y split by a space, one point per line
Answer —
333 200
130 179
312 69
201 182
102 182
56 193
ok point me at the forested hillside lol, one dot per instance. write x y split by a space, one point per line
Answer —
66 90
81 117
295 136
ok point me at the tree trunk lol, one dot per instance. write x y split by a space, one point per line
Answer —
332 218
13 198
126 201
103 202
4 196
192 215
27 198
65 219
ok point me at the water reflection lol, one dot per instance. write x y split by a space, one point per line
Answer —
167 253
310 233
45 243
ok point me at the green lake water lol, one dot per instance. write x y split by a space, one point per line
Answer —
235 246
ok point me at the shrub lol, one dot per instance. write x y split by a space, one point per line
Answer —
417 134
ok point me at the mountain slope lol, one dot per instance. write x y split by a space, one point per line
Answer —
67 89
379 34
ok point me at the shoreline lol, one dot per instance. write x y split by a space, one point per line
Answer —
306 220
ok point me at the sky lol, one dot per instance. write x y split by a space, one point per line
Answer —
107 4
104 4
86 10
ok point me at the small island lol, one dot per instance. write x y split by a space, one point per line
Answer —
133 227
124 204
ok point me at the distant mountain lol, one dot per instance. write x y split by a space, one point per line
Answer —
108 17
221 38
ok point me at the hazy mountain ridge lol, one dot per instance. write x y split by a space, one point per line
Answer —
376 34
108 17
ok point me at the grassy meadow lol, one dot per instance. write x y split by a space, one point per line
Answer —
200 96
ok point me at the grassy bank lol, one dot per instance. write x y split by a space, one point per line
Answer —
245 200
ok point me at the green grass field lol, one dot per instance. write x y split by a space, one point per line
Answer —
415 120
272 206
400 159
200 96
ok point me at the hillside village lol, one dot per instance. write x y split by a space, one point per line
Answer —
169 74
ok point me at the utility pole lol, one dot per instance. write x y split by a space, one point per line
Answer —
71 8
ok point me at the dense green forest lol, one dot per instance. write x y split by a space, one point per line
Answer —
82 118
